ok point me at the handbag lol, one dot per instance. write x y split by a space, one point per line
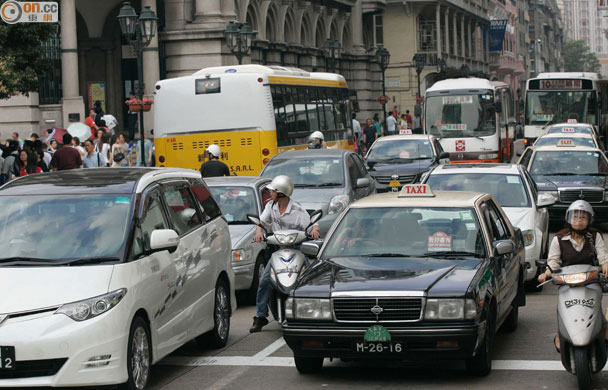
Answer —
118 157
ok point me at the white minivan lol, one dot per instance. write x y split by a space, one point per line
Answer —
106 271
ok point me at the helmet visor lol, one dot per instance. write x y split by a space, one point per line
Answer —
578 216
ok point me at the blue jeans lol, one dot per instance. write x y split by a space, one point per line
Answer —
264 287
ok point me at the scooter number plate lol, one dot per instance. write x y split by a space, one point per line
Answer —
583 302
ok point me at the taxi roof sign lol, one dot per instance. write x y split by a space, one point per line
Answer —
416 191
405 131
565 142
572 121
568 130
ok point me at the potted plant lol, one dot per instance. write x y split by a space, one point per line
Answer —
136 105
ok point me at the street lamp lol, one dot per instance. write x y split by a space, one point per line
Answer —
384 58
239 37
139 33
419 62
333 51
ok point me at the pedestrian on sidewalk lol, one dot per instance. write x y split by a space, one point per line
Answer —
378 125
119 152
66 158
93 159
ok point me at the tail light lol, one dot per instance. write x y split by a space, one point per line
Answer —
265 152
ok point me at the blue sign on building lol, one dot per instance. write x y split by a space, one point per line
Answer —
497 34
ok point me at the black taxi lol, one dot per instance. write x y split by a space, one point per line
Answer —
407 275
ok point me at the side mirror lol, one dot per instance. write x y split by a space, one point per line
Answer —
541 263
504 247
315 216
164 239
498 106
545 200
443 158
519 153
254 220
311 248
363 182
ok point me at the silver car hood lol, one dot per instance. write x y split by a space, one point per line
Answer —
316 198
239 233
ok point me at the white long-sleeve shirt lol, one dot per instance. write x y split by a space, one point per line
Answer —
554 259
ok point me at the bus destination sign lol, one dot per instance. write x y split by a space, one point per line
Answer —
561 84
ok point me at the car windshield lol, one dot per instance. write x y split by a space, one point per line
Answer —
400 149
570 129
235 202
542 141
508 190
544 107
308 172
568 162
460 115
63 227
406 231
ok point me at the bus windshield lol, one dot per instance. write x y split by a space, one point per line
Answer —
456 116
546 107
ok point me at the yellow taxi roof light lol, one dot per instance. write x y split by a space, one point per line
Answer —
565 143
416 191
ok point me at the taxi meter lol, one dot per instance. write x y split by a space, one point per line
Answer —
415 191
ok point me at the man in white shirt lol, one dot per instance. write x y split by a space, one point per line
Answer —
391 124
356 127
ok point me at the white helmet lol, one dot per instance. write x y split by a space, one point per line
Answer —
317 134
214 150
579 205
281 184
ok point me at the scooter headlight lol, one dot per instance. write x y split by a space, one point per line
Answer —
574 279
286 239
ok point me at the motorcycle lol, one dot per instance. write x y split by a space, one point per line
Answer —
580 321
286 264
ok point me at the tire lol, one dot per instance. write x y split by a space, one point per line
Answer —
260 264
481 363
583 367
218 336
308 365
510 324
139 356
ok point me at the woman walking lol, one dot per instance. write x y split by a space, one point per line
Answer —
119 152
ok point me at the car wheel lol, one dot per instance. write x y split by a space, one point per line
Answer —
139 356
481 363
260 265
218 336
308 365
510 324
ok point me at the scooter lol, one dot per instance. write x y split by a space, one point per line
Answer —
286 264
580 321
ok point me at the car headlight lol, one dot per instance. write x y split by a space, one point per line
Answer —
450 309
488 156
528 237
286 239
338 203
92 307
308 309
554 194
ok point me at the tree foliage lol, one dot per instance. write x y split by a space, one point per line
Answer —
579 58
21 56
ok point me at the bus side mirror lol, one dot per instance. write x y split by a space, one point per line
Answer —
498 106
418 110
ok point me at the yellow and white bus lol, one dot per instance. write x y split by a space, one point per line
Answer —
251 111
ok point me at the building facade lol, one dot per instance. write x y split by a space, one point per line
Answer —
93 62
546 37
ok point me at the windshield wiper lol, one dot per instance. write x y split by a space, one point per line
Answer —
31 261
304 185
396 159
560 174
328 185
89 260
450 254
594 174
239 223
386 255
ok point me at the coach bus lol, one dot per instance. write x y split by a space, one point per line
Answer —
473 118
561 97
251 111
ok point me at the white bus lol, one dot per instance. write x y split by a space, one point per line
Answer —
251 111
473 118
559 97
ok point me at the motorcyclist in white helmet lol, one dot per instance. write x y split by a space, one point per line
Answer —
577 243
317 140
279 214
214 167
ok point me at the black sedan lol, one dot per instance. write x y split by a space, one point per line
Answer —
397 160
409 276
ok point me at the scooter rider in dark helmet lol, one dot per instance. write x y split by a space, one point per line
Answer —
577 243
279 214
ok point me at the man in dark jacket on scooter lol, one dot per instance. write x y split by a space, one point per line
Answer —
279 214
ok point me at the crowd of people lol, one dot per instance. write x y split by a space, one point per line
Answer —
103 149
365 135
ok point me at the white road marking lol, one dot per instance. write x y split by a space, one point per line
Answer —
269 350
266 361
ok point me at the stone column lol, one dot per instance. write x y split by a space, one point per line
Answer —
486 36
208 12
229 10
71 102
455 27
174 14
151 69
82 74
110 69
469 39
447 31
463 43
356 26
438 28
